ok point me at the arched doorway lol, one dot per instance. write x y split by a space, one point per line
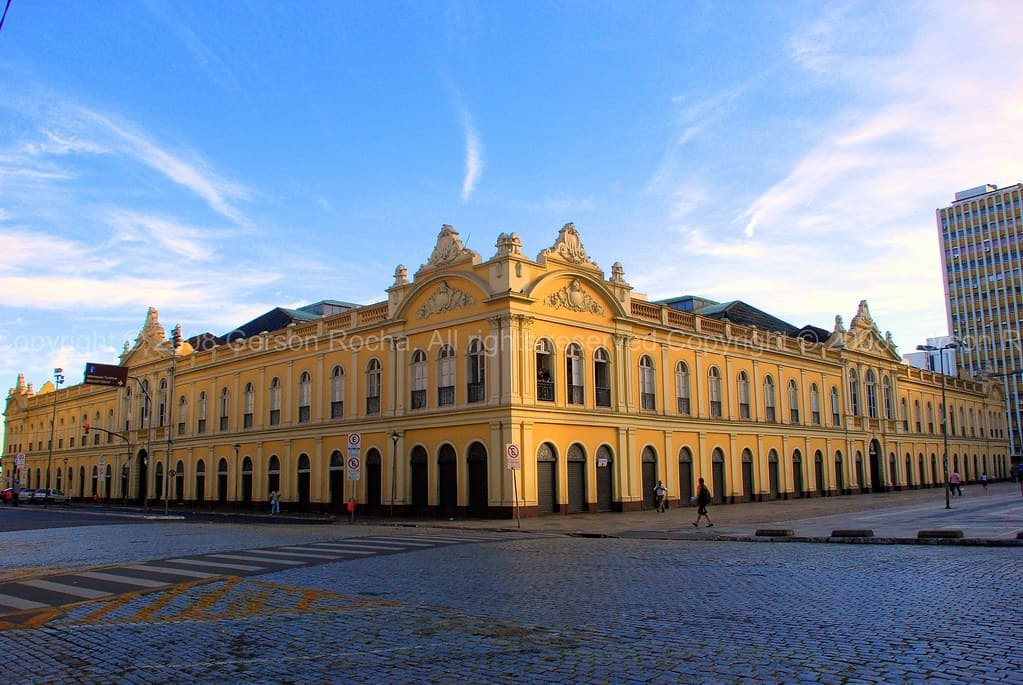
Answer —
605 482
374 478
649 466
179 482
200 481
717 463
159 488
893 472
141 478
909 471
747 476
478 491
839 474
247 481
336 479
94 493
861 478
304 473
934 469
222 493
685 476
546 479
773 479
447 480
576 463
107 481
420 473
798 490
81 481
876 482
273 475
818 474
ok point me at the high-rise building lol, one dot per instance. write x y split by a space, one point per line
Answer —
981 244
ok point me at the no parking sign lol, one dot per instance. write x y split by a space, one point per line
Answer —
354 462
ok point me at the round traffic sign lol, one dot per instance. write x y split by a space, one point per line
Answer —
354 439
171 472
354 463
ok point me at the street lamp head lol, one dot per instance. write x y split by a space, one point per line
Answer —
394 437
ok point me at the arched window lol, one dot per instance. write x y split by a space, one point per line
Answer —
373 373
574 373
871 394
742 388
418 391
815 404
96 420
225 401
836 408
544 370
337 393
250 405
182 414
962 422
648 400
602 377
769 401
854 392
916 415
714 388
682 396
275 401
477 371
305 397
930 417
161 402
201 413
793 401
904 406
144 408
889 405
446 376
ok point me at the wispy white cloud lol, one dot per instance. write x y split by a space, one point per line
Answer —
473 156
852 216
181 239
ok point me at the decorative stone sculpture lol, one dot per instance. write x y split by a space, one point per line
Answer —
574 298
444 299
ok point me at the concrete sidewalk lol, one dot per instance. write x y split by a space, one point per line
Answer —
985 516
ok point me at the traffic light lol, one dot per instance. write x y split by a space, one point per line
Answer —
87 427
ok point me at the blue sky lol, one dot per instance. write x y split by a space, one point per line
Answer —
217 159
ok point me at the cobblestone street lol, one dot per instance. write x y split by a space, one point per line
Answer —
533 608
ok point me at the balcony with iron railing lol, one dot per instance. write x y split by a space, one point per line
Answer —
476 392
445 395
418 399
545 391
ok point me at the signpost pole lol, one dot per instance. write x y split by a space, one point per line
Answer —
514 460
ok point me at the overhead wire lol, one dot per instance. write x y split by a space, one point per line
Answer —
4 15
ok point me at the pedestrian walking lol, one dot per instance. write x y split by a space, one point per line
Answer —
659 494
702 500
953 485
983 480
275 502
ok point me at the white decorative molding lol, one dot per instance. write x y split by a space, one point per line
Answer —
444 299
568 247
449 248
574 298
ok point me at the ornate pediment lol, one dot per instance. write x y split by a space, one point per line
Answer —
568 247
863 335
574 298
449 249
149 343
444 299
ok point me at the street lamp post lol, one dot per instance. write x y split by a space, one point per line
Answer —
394 466
175 341
944 409
58 377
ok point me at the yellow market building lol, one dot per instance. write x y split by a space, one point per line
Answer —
600 392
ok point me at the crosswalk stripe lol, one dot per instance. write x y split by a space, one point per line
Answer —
171 571
127 580
301 555
357 545
19 603
250 557
73 590
215 564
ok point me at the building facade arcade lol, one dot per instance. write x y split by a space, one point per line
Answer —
603 392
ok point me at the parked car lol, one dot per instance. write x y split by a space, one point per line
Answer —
49 496
26 495
8 494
